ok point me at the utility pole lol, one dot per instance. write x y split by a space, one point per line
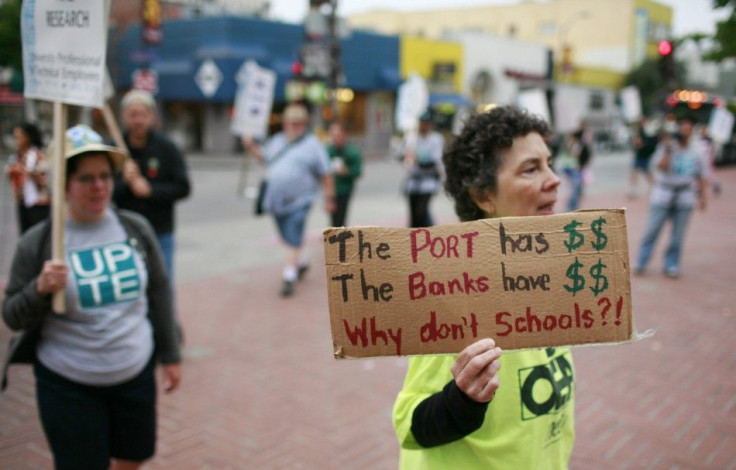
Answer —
320 67
335 65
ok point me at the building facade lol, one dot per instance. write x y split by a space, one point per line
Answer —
595 42
196 67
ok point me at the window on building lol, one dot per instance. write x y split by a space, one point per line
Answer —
548 28
596 101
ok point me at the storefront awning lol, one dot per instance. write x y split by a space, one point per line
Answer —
458 100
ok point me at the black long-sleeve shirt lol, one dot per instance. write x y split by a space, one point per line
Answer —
446 416
163 165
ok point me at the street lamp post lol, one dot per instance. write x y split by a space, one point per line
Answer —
565 49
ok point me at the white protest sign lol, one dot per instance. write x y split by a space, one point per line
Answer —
64 50
631 103
570 107
108 89
721 125
535 101
253 101
412 101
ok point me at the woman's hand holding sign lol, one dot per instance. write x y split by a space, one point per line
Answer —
475 370
52 277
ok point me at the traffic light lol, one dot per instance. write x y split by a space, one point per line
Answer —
666 50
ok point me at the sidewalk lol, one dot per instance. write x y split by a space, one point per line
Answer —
262 391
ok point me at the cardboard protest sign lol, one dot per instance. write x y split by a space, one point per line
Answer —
523 281
64 50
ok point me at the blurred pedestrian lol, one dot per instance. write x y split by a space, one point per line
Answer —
474 410
94 365
575 165
709 150
297 164
679 183
155 177
347 165
422 158
644 143
27 170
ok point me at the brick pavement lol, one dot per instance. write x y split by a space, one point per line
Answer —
261 390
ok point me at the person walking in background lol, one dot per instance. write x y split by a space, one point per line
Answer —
347 165
709 149
297 164
27 171
679 183
94 365
423 161
468 411
155 177
575 165
644 143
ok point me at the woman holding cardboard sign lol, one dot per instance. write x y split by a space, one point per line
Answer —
482 408
94 365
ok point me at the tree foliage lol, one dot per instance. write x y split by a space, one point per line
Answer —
11 54
725 36
648 79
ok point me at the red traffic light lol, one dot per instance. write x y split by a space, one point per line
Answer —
664 47
296 68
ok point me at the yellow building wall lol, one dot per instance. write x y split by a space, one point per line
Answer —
660 19
594 76
419 55
588 26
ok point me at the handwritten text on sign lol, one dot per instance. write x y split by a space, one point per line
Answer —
524 281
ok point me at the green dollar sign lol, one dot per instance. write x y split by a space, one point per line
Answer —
601 239
576 238
597 274
578 281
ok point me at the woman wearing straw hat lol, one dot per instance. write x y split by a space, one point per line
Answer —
94 364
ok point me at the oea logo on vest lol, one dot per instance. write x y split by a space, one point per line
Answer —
105 275
546 388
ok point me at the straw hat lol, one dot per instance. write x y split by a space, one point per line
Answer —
81 139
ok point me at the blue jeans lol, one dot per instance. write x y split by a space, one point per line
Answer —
166 242
576 188
658 215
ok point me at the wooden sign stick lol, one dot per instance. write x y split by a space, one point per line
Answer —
113 127
57 201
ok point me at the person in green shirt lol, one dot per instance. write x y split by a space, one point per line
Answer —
484 408
347 165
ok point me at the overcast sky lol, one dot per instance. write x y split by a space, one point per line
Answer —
689 15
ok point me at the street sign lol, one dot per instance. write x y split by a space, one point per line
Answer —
65 50
145 79
208 78
316 61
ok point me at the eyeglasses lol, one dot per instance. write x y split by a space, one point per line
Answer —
90 179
